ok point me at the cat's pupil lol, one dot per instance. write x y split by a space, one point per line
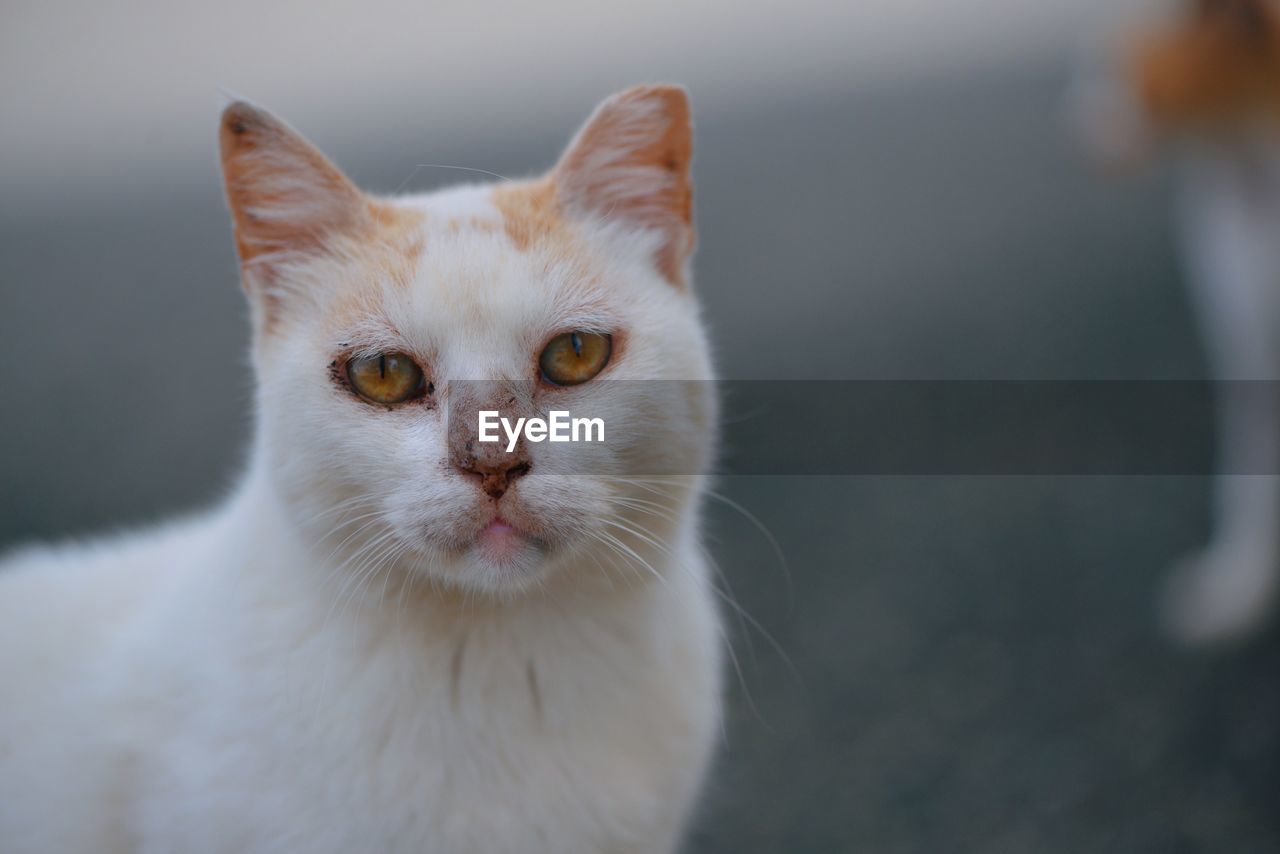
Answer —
577 345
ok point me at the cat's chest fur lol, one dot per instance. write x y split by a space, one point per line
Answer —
283 725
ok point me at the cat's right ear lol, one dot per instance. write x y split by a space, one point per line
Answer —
285 196
630 163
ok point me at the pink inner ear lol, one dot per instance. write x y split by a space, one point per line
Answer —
631 162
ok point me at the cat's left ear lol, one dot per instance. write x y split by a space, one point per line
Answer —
285 196
630 164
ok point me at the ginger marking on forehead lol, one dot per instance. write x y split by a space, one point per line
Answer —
529 213
397 241
473 222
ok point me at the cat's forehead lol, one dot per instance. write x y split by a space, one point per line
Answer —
474 246
454 205
484 263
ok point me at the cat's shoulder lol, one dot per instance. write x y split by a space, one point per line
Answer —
83 586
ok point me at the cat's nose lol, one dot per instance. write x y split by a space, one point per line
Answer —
496 468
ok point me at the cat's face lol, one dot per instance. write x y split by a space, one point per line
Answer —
383 326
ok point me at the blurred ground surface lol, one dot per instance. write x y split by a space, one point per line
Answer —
977 662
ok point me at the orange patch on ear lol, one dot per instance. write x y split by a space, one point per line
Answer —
287 199
283 193
630 163
647 127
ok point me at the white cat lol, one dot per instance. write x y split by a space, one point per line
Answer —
392 638
1209 79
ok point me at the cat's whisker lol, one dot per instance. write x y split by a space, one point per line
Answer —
366 567
342 567
420 166
338 507
744 617
351 570
648 508
760 526
369 519
626 551
613 553
730 599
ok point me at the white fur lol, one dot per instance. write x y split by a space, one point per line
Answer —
1230 222
307 668
1228 218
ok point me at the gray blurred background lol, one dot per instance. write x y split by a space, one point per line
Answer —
885 190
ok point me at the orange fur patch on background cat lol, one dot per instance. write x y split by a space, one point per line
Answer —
1218 64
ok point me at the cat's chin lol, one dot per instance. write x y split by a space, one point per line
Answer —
501 557
505 548
500 541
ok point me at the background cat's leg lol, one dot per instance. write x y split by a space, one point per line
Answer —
1228 589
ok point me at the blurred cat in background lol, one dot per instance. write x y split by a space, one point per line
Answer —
391 637
1208 80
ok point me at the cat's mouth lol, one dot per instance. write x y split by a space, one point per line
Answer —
494 545
500 536
503 542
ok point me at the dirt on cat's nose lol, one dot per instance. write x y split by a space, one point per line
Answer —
492 463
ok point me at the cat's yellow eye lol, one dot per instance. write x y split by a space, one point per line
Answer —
386 378
575 357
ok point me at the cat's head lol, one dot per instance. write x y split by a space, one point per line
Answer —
1217 63
1211 69
383 325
